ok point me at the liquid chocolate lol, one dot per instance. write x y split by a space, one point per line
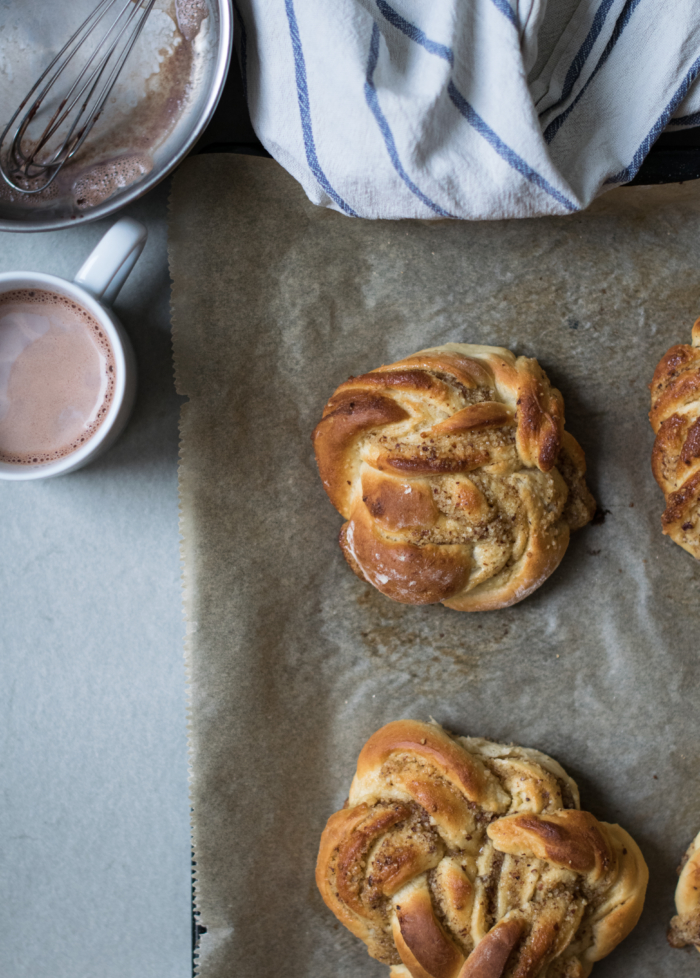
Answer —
57 376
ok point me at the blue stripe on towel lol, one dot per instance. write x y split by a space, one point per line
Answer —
507 11
622 21
577 64
305 111
373 103
505 152
415 33
242 49
624 176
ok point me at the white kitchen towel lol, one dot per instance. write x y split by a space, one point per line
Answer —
466 108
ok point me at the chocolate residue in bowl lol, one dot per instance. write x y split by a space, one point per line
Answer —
12 196
105 179
190 14
150 96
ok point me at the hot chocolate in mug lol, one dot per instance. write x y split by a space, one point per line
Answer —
67 368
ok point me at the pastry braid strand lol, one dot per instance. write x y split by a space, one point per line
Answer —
675 460
685 926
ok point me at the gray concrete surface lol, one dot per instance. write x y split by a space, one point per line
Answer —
94 813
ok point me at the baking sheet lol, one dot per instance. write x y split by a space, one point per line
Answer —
293 661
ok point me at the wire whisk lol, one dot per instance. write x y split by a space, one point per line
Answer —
105 41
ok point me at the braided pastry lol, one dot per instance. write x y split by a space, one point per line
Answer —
685 927
455 475
455 857
675 460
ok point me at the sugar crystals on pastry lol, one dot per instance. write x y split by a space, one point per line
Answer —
456 857
455 475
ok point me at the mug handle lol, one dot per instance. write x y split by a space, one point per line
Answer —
108 265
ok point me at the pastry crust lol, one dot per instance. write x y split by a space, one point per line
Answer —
685 926
456 477
675 460
456 857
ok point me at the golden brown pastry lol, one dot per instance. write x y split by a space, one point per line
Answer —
455 857
675 461
685 926
455 475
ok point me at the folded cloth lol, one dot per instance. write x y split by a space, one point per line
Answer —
466 108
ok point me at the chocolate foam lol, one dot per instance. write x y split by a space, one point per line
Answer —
190 14
101 181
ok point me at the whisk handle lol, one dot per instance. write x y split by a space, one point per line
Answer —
108 265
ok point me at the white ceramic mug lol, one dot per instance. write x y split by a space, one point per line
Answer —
94 288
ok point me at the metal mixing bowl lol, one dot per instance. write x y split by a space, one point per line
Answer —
25 23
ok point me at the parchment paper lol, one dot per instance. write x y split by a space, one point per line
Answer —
294 662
